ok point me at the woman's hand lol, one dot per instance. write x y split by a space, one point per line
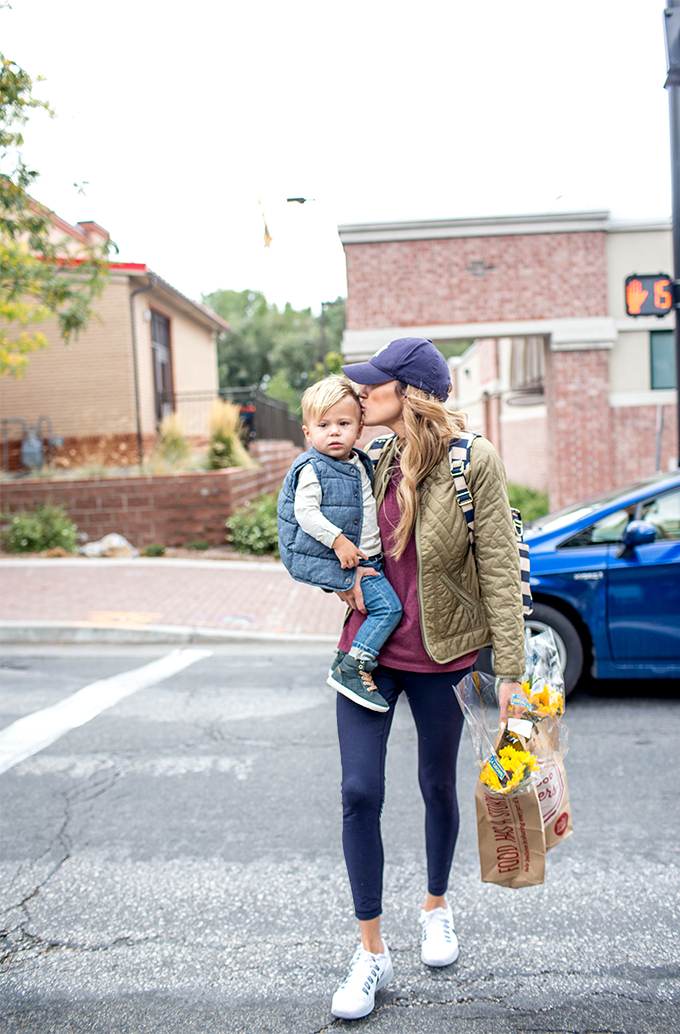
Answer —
506 691
354 597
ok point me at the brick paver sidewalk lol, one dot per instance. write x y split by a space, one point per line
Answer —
234 596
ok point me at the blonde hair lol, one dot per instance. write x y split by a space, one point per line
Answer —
319 398
429 430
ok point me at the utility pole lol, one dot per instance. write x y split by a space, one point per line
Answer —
672 29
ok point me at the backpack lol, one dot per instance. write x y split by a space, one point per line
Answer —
459 462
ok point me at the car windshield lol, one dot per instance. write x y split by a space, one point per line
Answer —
568 514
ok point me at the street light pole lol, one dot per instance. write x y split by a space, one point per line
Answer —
672 29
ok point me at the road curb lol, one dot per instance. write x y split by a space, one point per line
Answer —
54 632
85 563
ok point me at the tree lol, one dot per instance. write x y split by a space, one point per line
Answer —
40 277
334 318
279 349
242 353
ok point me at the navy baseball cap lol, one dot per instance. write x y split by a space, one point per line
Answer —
413 360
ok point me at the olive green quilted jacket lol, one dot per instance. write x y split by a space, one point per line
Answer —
466 601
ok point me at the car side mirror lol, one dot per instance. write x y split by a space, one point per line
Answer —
637 533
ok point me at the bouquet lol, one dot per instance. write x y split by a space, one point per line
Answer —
510 768
511 759
521 798
543 682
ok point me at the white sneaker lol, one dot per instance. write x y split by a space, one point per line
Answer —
440 944
368 973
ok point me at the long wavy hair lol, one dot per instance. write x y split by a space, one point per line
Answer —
429 430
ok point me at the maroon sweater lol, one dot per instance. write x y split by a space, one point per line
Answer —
404 649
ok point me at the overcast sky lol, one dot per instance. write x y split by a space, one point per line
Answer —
179 115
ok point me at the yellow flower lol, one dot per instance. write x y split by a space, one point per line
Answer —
518 764
545 698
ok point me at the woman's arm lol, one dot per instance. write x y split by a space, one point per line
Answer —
497 560
506 691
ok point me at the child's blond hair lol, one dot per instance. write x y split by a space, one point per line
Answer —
319 398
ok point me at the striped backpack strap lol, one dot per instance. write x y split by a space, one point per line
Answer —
459 461
375 448
524 564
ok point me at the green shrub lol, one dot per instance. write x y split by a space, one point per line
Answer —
199 544
46 527
334 362
531 503
155 549
253 528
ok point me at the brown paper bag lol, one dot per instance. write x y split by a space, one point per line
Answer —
511 837
553 795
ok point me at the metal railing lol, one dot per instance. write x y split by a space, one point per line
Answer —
263 417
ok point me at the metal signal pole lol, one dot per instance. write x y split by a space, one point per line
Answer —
672 28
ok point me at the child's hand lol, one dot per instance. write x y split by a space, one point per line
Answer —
347 553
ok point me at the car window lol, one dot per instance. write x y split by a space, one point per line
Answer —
664 513
607 529
556 519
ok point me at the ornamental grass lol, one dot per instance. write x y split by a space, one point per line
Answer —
226 447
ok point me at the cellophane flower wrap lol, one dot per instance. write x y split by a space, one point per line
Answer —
543 682
510 759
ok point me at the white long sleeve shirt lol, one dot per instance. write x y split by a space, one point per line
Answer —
308 510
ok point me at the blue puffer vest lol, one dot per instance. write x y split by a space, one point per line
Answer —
305 558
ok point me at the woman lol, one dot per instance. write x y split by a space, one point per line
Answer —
454 603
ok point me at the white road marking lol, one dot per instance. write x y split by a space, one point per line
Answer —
84 766
34 732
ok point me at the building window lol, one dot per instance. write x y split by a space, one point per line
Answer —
527 371
527 367
662 352
162 370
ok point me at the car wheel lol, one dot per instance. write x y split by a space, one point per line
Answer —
567 640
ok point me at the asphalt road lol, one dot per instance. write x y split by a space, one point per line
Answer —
174 863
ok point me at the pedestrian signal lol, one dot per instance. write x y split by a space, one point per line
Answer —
649 295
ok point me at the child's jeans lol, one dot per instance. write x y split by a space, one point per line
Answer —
383 606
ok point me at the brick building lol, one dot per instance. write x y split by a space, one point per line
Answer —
110 387
577 396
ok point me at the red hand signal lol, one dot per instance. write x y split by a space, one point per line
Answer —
635 297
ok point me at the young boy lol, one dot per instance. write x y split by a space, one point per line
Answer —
328 526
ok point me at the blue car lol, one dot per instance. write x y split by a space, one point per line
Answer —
605 577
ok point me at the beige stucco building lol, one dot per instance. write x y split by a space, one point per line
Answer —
106 391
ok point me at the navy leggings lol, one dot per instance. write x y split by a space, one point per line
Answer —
363 738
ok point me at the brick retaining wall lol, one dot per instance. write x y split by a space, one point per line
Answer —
171 509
